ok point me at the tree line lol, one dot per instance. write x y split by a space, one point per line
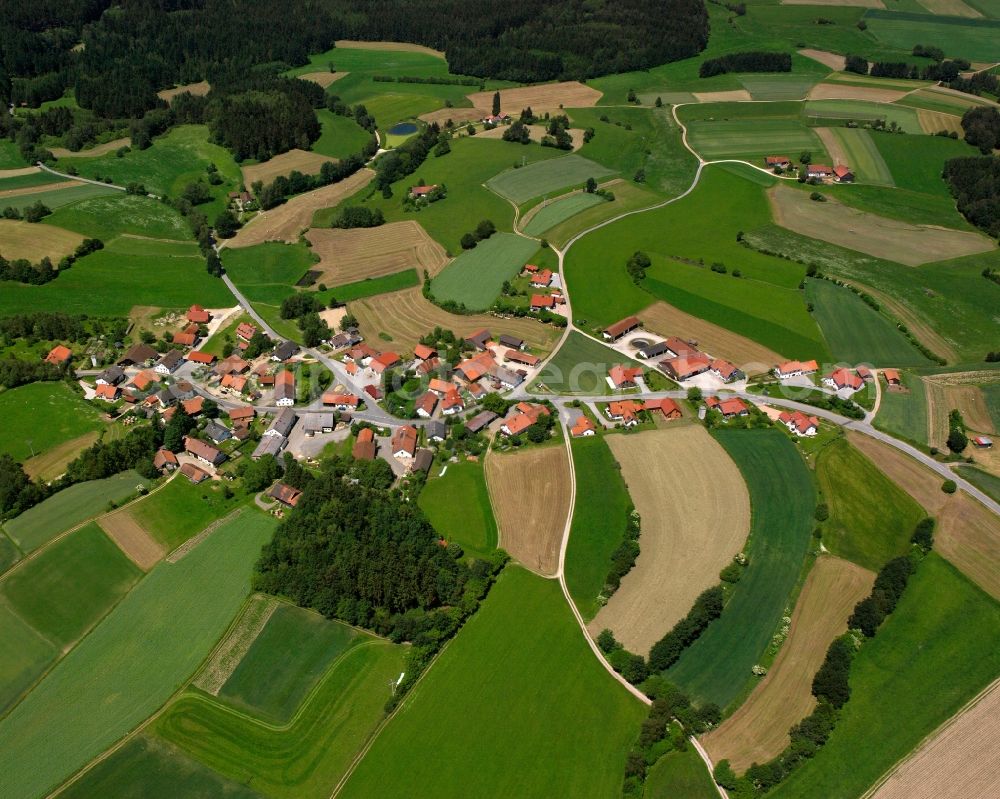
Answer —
754 61
975 185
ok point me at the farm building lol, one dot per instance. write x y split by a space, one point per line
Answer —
364 448
424 353
138 354
168 363
843 174
668 407
404 442
821 171
619 329
729 408
269 445
653 350
203 452
679 346
282 424
511 342
892 378
245 331
583 427
522 357
780 161
620 376
439 386
194 474
505 377
542 278
185 338
429 366
284 388
59 355
982 442
383 361
799 424
361 354
318 423
725 371
346 339
244 414
626 412
426 405
341 402
197 356
285 494
421 191
480 421
165 460
524 415
865 373
232 365
795 369
198 315
684 367
842 379
422 461
284 351
479 339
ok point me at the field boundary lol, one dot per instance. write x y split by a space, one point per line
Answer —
234 647
192 542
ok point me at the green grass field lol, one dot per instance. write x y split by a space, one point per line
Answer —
179 510
904 413
9 554
10 156
916 162
716 667
267 273
752 139
40 416
111 215
23 657
856 332
828 112
474 278
871 518
991 392
602 502
369 287
133 661
27 181
57 198
908 206
552 711
988 483
535 180
974 39
70 507
66 589
559 211
581 367
458 505
778 86
339 136
680 775
306 757
863 156
148 767
286 661
933 654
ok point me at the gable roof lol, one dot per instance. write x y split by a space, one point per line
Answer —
200 357
59 354
138 353
622 375
198 314
423 352
245 412
405 440
583 425
619 329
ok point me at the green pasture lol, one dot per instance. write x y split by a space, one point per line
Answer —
974 39
67 588
40 416
581 367
904 413
680 774
908 206
753 139
475 278
306 757
916 162
559 211
371 286
111 215
778 86
25 654
390 107
140 247
827 112
599 515
70 507
716 667
857 333
988 483
871 518
552 711
227 333
56 198
535 180
339 136
286 661
29 181
9 554
267 272
988 8
179 510
628 197
458 505
863 156
148 767
930 657
133 661
10 155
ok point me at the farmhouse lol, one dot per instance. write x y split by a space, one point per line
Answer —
197 356
780 161
473 369
341 402
422 461
892 378
478 340
168 363
842 379
282 424
653 350
284 351
542 279
621 376
542 301
364 448
269 445
619 329
626 412
318 423
426 405
429 366
795 369
373 391
244 414
233 364
505 377
436 431
729 408
679 346
59 355
666 406
165 460
383 361
819 171
361 354
843 174
107 392
424 353
217 432
684 367
480 421
235 384
284 388
203 452
452 403
346 339
404 442
285 494
583 427
198 315
525 358
865 373
111 376
421 191
511 342
799 424
194 474
245 331
138 354
185 338
525 414
725 371
142 380
194 406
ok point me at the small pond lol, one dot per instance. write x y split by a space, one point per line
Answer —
403 129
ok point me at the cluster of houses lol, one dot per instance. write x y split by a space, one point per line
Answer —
548 294
627 411
838 173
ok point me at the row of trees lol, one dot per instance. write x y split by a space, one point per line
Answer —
754 61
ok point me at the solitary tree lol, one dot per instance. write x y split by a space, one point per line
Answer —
496 104
957 440
591 186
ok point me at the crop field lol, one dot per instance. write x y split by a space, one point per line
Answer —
534 180
39 417
599 514
915 479
952 8
25 240
324 79
92 152
778 86
871 519
628 197
934 121
866 109
70 507
904 413
975 39
680 773
758 730
179 510
836 90
132 662
475 277
856 147
111 215
857 333
875 235
716 667
57 197
695 514
406 317
287 221
137 544
8 553
940 614
23 657
969 537
550 97
308 163
268 272
580 367
958 760
458 505
22 195
558 211
67 588
148 767
530 493
988 483
526 625
751 139
751 357
348 256
199 89
28 178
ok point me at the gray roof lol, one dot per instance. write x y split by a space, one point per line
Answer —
269 445
507 377
479 421
217 432
171 360
283 422
319 421
422 461
113 375
511 341
652 350
436 429
285 350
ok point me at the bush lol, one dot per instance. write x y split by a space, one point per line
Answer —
830 682
923 534
707 607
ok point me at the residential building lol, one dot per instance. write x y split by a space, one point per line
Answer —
284 389
795 369
844 379
284 494
282 424
480 421
315 423
107 392
729 408
436 431
422 461
203 452
341 402
245 331
668 407
621 376
725 371
284 351
426 405
198 315
194 474
365 447
423 353
169 362
799 424
217 431
583 427
59 355
269 445
199 357
165 460
111 376
404 442
137 355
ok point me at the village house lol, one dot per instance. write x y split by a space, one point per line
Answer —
505 377
59 355
341 402
865 374
426 405
821 171
269 445
844 379
383 361
476 391
137 355
197 356
364 448
428 367
452 403
523 416
729 408
621 377
725 371
541 302
474 369
684 367
780 161
203 452
244 414
168 363
245 331
233 384
439 386
480 421
194 474
625 411
362 354
284 351
788 369
404 442
165 460
424 353
315 423
799 424
436 431
111 376
282 424
194 405
198 315
143 379
107 392
217 431
373 391
619 329
668 407
347 338
285 494
421 191
284 389
478 340
231 365
582 427
541 279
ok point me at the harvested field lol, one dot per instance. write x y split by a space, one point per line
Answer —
237 643
827 59
551 97
93 152
287 221
21 171
406 316
52 463
968 535
132 539
24 240
308 163
530 491
199 89
916 480
891 239
324 79
54 186
950 8
534 131
958 761
391 47
751 357
839 91
845 3
758 731
347 256
695 513
935 121
734 95
959 391
456 115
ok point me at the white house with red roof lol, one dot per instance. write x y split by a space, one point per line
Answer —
799 424
844 379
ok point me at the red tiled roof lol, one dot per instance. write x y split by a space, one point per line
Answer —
383 361
194 406
198 314
333 398
666 406
427 403
199 357
622 327
583 425
542 301
405 440
423 352
245 330
246 412
185 339
845 378
623 375
518 423
107 392
59 354
522 357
